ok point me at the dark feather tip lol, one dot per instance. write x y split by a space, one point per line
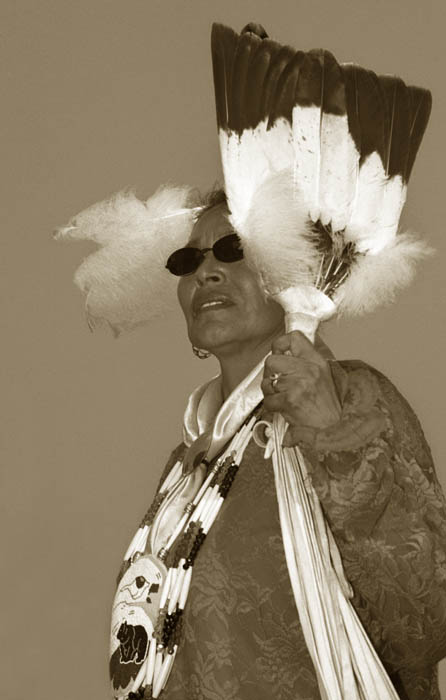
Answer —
255 28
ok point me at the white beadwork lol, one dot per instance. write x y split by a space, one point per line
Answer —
158 663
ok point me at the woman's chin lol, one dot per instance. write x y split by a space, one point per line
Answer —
214 338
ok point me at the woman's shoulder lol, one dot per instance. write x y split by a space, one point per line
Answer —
361 378
364 385
359 367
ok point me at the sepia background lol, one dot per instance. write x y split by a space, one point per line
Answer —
98 95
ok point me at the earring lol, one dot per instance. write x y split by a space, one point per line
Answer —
201 354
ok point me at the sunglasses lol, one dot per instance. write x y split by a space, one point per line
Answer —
187 260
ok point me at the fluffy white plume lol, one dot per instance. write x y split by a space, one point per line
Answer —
376 278
250 159
275 235
278 243
125 281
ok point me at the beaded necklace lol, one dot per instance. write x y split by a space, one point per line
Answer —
163 580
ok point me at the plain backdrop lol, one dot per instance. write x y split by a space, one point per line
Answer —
101 95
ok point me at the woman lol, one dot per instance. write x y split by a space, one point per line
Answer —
373 473
316 157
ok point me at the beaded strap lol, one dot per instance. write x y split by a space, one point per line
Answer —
179 554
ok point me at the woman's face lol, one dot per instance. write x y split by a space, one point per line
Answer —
241 316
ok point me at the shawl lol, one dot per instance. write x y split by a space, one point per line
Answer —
379 492
344 658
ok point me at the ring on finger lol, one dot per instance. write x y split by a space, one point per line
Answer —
274 379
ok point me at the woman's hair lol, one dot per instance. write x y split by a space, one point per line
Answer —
209 200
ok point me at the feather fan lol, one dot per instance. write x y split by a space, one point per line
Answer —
316 158
125 280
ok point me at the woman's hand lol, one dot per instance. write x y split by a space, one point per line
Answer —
304 392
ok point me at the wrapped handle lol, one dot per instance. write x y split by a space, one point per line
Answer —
304 323
305 307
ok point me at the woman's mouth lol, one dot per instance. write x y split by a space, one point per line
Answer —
214 303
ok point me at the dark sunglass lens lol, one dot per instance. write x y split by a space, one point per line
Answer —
228 248
184 261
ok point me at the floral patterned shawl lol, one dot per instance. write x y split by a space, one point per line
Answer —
374 476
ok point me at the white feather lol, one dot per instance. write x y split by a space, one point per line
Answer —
124 216
307 156
277 241
275 235
248 160
125 281
376 278
339 172
394 196
377 208
364 221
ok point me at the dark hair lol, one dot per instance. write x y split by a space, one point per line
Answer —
209 200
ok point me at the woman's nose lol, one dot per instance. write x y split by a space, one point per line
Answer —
210 270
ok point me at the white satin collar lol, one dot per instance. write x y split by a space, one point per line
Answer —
205 411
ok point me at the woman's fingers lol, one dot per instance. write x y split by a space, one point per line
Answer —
280 363
288 393
299 384
287 364
278 382
294 343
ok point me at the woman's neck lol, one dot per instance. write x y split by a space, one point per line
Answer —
236 365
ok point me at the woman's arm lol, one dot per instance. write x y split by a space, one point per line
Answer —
374 476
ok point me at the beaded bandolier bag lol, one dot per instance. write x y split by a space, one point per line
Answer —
316 158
